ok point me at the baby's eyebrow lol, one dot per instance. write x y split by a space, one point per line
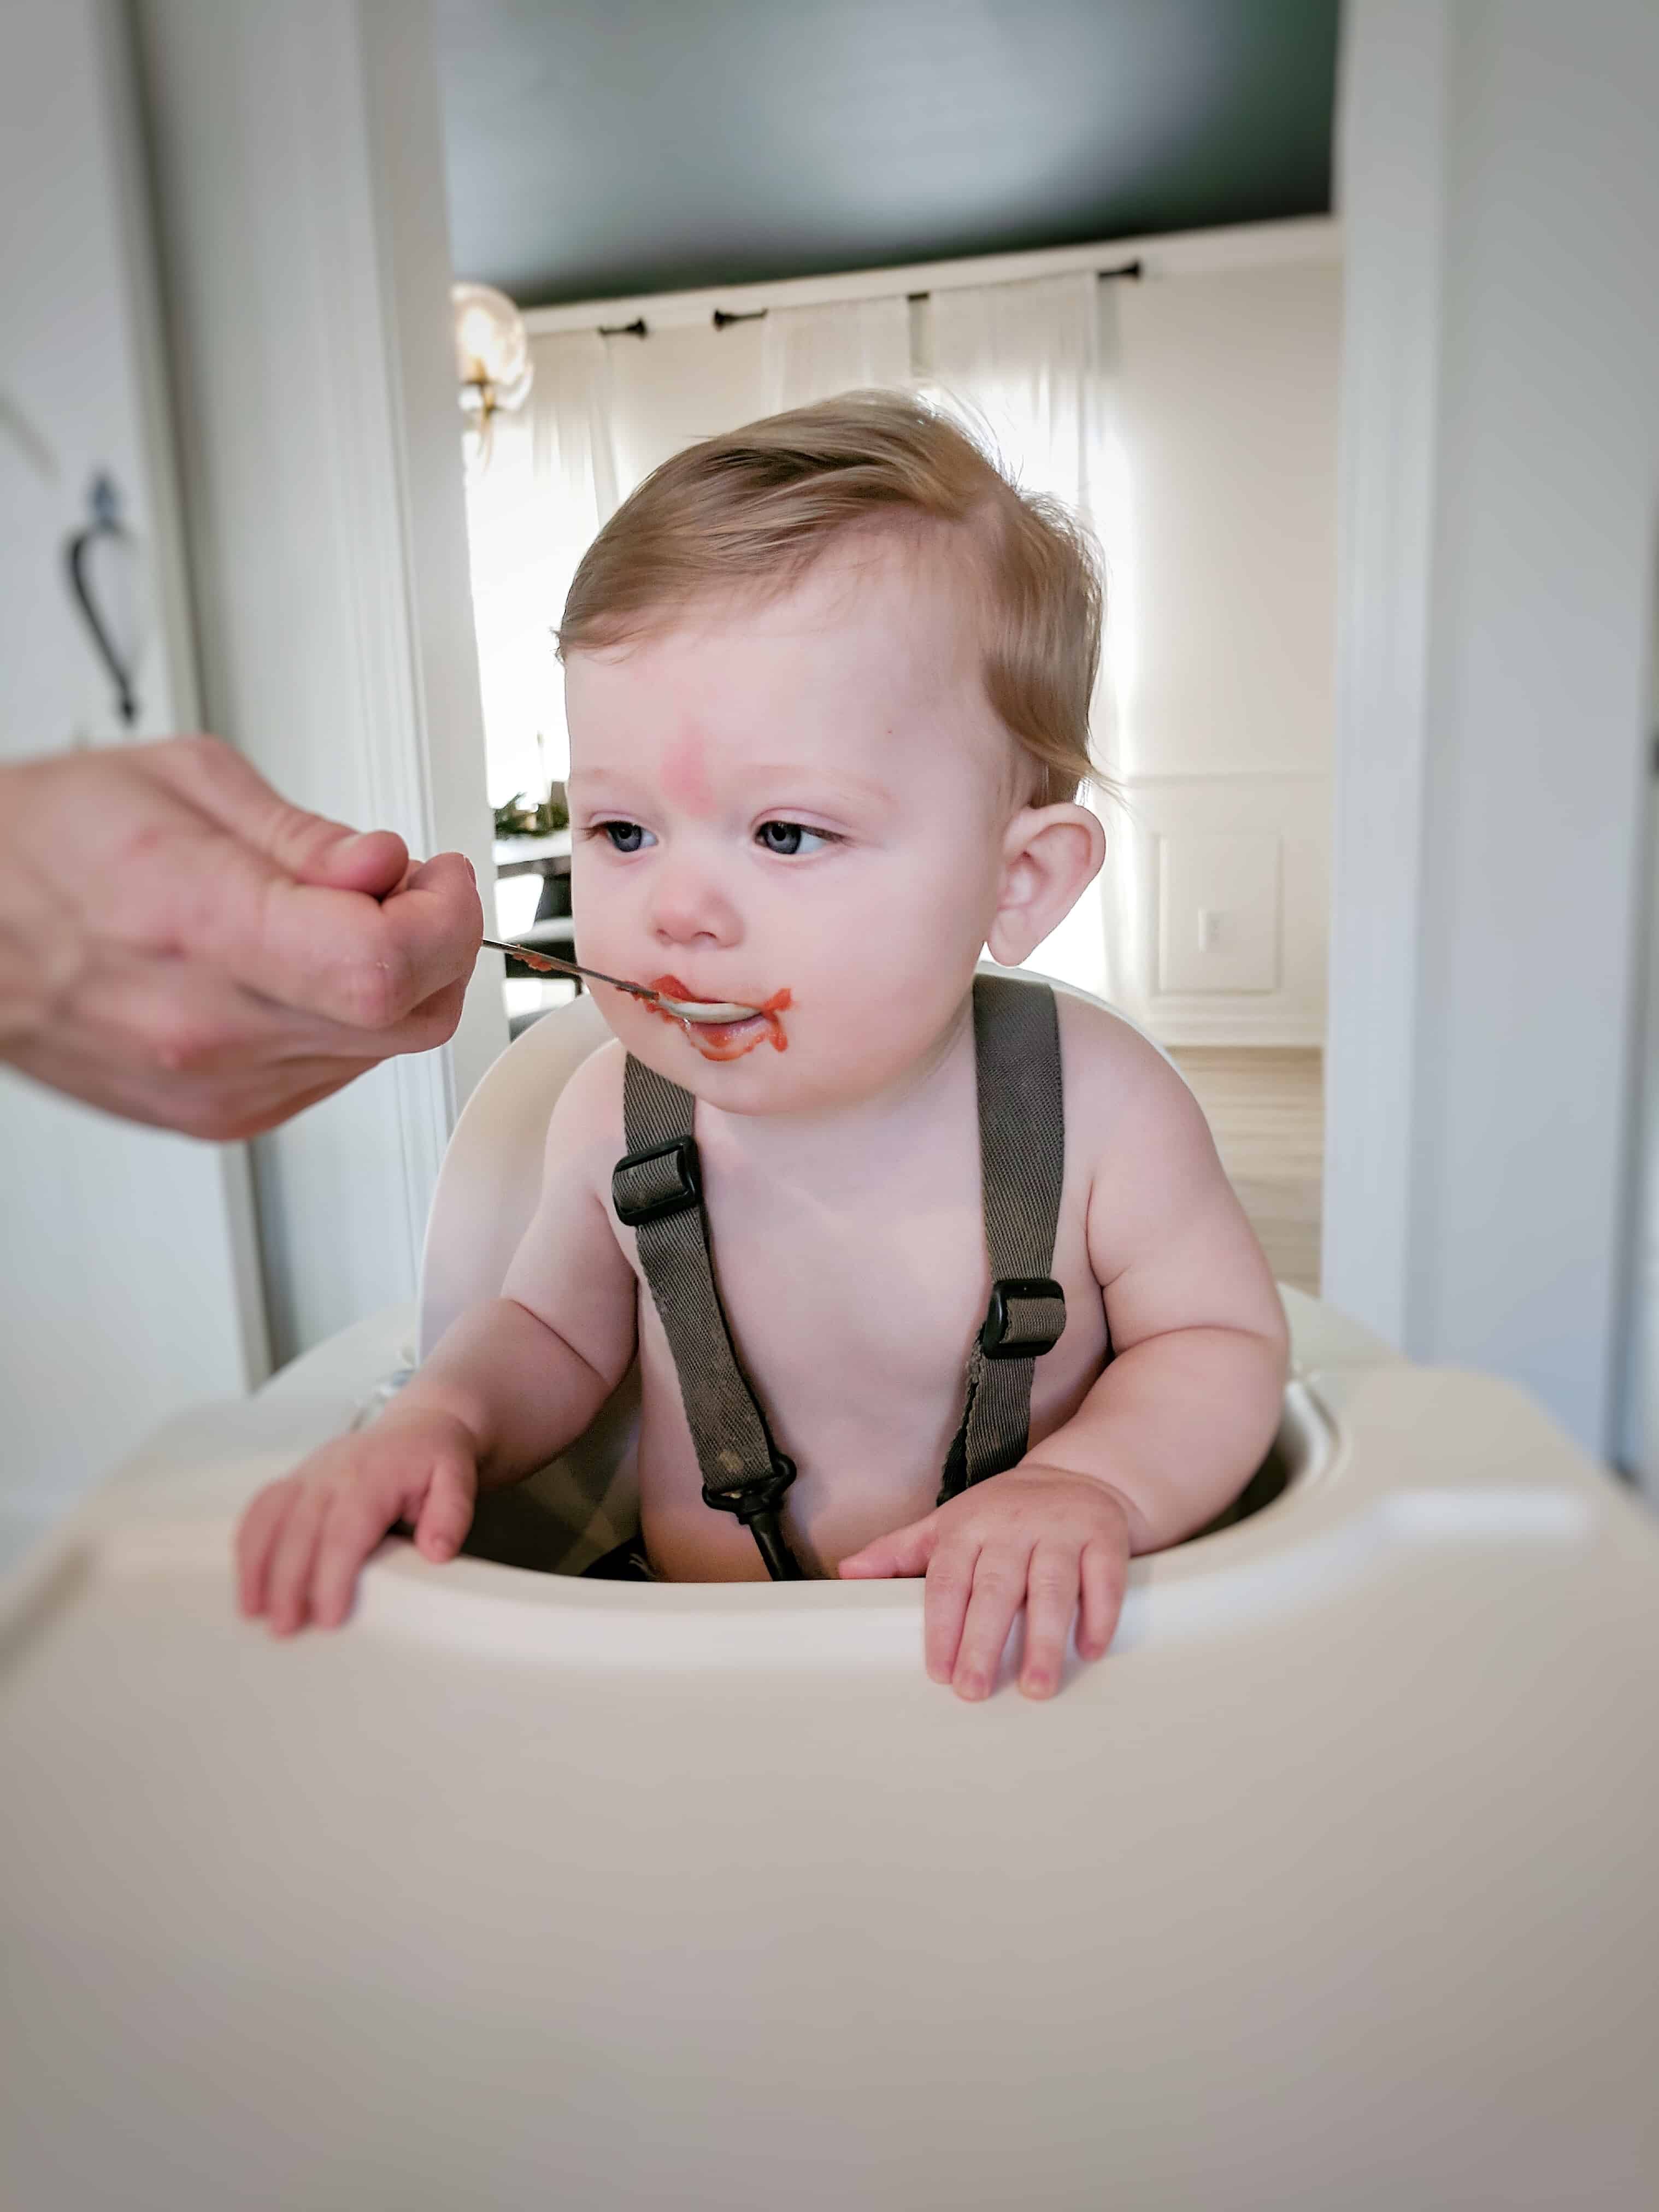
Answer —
805 779
797 780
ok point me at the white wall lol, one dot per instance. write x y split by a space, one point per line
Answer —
127 1275
1222 620
1501 199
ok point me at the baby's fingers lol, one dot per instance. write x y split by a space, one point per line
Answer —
950 1587
1051 1589
447 1513
288 1586
906 1552
256 1539
1105 1574
998 1593
357 1521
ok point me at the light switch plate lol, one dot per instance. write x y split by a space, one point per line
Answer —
1218 913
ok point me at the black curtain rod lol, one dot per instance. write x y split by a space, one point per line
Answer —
1135 269
723 318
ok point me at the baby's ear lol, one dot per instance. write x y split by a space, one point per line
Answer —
1050 855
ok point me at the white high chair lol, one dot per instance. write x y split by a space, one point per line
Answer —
1329 1887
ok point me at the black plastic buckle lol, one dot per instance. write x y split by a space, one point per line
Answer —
659 1181
1030 1332
749 1500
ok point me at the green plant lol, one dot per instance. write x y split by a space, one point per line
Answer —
517 818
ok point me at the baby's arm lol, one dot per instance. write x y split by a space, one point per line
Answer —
1166 1437
510 1385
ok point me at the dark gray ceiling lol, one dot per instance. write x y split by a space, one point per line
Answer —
601 146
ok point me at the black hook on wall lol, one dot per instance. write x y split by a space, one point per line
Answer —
106 505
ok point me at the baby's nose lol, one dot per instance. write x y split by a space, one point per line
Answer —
688 906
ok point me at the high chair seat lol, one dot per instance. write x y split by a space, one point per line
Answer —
1331 1886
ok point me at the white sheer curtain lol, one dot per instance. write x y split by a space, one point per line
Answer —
1027 366
847 345
550 484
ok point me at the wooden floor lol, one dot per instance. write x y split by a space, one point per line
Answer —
1266 1112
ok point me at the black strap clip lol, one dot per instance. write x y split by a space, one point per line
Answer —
759 1506
1026 1317
659 1181
748 1500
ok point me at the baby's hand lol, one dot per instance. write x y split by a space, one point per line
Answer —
302 1540
1037 1536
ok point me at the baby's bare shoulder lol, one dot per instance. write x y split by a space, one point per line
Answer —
585 1128
1118 1084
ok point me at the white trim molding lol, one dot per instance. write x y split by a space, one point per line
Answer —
1392 165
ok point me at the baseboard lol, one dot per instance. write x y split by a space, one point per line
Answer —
1268 1036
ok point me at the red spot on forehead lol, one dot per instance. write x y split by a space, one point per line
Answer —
685 772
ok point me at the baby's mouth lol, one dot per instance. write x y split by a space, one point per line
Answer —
725 1040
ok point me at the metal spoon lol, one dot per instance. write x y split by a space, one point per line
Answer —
684 1010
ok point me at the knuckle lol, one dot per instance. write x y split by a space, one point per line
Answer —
1000 1578
181 1041
377 991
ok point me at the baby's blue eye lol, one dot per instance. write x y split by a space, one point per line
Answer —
790 838
627 836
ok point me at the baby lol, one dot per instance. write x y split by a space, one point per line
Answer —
828 685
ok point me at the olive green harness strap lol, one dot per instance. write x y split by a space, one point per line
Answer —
1022 1165
657 1191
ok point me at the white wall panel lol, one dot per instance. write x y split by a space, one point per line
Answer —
1261 840
1220 640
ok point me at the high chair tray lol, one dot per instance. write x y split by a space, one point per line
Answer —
1330 1886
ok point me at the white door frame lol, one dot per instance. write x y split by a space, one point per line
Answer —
1500 484
1393 149
298 162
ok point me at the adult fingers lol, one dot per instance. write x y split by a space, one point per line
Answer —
1103 1575
230 791
907 1550
356 960
366 965
175 1041
1051 1591
999 1592
255 1538
446 1514
949 1586
288 1582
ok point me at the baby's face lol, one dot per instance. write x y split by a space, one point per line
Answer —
799 806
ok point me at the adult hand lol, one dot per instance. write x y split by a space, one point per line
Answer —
180 945
1039 1537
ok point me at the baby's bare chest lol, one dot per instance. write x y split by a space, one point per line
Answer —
883 1277
853 1296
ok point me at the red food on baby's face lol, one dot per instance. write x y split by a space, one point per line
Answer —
725 1041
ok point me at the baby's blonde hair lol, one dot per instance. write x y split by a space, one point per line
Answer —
752 509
